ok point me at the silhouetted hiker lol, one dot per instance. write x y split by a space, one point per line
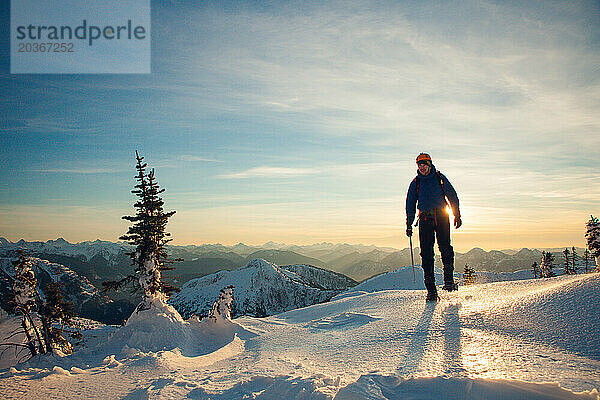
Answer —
428 192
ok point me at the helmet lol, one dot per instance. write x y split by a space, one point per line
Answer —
424 158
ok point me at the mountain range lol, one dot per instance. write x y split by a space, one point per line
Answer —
101 260
268 279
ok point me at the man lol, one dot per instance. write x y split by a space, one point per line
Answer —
428 192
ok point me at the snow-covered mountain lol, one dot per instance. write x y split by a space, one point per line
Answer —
261 289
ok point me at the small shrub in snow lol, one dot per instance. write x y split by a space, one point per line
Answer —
469 276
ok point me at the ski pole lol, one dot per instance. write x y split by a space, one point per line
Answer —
412 260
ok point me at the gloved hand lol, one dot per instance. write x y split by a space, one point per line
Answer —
408 230
457 221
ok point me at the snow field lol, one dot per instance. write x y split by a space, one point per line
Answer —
533 339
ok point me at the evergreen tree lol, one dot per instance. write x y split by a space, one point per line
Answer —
52 312
536 270
574 260
469 276
546 265
57 316
567 270
592 236
25 291
586 259
148 234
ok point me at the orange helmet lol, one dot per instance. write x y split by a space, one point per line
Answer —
424 158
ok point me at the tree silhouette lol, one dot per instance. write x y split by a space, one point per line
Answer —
574 259
567 270
586 259
535 269
592 236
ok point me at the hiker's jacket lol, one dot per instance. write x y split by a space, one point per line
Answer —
431 195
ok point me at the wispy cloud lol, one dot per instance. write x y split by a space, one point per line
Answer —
398 77
194 158
78 170
325 169
269 172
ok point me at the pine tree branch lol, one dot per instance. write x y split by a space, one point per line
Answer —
116 285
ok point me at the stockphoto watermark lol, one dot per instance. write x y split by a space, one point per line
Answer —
80 37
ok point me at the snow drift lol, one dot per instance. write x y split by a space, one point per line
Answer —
157 326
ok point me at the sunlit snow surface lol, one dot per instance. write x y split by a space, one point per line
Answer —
484 341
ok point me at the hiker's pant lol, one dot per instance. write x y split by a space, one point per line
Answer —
430 227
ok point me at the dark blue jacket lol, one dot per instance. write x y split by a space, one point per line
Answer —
431 195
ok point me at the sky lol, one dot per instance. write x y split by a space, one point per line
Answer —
299 122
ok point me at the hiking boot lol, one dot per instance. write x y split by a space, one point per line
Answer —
432 296
450 286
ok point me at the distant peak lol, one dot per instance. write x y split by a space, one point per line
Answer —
59 240
476 250
259 263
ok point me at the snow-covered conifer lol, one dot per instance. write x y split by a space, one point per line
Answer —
25 284
148 235
221 309
44 317
26 295
56 315
592 236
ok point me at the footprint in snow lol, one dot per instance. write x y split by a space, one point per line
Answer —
341 321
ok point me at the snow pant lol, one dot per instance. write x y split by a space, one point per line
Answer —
431 225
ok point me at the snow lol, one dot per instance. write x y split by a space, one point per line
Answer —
401 278
533 339
389 387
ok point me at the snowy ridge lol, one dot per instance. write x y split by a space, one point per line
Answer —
319 277
401 278
261 289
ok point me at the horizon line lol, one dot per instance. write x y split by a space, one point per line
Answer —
288 244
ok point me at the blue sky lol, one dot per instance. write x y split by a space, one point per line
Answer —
300 123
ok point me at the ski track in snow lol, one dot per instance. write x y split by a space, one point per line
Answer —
484 340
